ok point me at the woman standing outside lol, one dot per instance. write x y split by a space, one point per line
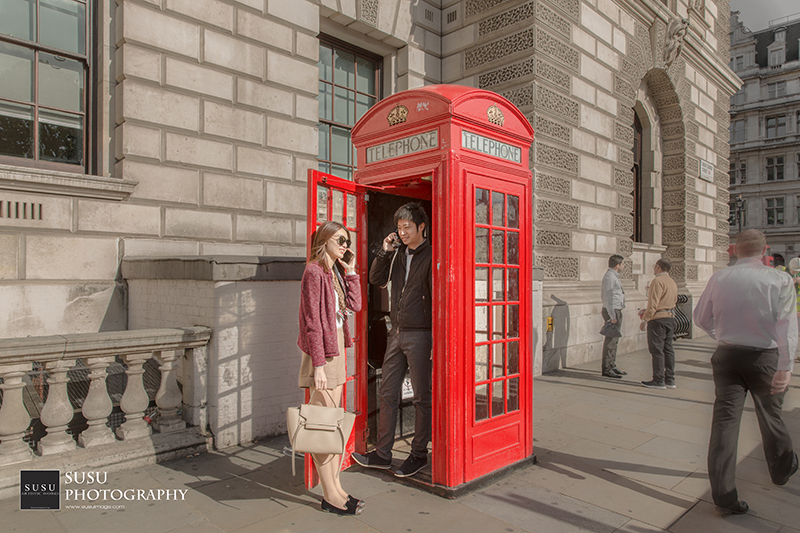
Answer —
330 289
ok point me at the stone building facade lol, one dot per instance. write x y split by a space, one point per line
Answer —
765 133
201 118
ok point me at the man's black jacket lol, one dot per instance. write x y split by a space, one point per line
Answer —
411 302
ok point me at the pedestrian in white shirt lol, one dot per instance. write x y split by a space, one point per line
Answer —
613 298
749 309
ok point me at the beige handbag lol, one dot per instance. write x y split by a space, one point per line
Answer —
319 429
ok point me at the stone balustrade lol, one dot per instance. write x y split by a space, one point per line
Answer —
57 355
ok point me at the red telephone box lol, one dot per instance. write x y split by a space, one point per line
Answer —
463 153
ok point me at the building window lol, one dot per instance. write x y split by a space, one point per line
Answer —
774 211
776 127
776 90
348 87
776 58
775 168
797 203
732 173
737 134
44 83
742 172
738 172
739 63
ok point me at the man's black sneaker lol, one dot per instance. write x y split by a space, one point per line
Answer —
654 385
740 507
411 466
372 460
792 470
611 374
671 385
620 372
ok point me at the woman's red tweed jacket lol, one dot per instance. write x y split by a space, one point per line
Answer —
318 312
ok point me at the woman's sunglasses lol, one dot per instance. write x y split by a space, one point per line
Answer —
343 240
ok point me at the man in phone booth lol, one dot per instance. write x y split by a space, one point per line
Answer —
405 259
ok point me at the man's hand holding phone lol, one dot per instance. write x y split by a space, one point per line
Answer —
391 242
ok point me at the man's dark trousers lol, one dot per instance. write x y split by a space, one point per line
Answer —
406 349
659 342
736 371
610 344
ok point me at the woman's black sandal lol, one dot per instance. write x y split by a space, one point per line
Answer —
349 508
355 501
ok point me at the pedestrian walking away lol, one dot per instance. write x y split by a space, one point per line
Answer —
750 309
659 321
329 291
613 298
405 260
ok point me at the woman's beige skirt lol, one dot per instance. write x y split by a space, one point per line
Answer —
334 367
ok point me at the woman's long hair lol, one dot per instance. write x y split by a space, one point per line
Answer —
319 239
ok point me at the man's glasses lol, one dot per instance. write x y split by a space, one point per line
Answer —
343 240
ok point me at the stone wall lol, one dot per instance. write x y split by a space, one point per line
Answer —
253 358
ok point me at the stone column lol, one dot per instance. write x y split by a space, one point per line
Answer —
14 418
57 412
97 405
169 396
134 400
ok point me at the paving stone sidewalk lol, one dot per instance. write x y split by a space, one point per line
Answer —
613 456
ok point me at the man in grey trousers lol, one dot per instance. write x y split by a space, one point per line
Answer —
749 309
613 298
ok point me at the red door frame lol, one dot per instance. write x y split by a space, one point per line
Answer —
332 183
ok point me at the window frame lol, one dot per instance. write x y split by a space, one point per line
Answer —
775 206
334 44
89 105
776 90
739 63
738 133
779 122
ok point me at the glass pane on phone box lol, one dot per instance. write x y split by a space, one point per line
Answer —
16 130
60 82
513 285
60 137
481 402
322 204
344 106
497 360
498 246
498 203
338 206
498 321
513 248
63 25
351 214
16 72
325 63
350 406
351 352
512 353
498 292
344 69
481 323
481 363
19 19
498 401
481 284
481 206
513 212
513 321
513 395
325 99
481 245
